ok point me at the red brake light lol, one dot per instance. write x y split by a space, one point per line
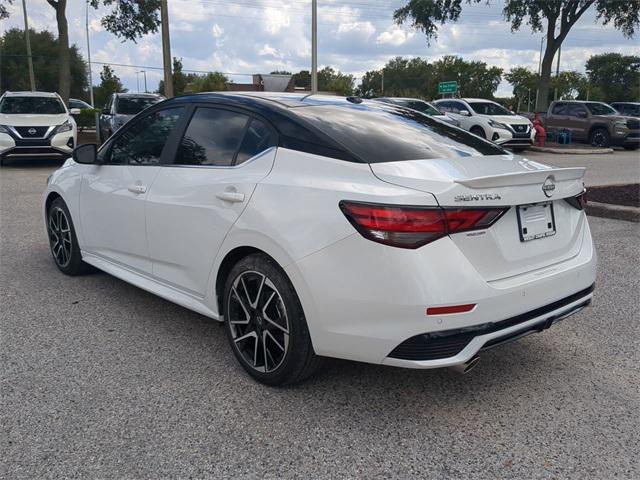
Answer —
413 227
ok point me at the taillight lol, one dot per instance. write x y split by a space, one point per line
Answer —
579 201
413 227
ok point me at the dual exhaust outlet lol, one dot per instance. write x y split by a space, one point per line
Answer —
466 367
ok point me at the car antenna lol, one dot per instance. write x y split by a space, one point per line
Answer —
306 96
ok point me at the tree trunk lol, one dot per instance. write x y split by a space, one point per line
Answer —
64 72
545 79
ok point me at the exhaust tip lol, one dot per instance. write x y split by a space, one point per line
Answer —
467 366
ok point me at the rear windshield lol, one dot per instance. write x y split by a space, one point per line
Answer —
32 105
600 109
386 133
423 107
489 108
134 105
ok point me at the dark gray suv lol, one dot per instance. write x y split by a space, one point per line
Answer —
122 107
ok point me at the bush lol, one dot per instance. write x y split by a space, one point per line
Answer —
87 118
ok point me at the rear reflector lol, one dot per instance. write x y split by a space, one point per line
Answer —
450 309
413 227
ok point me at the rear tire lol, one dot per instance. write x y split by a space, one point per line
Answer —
479 131
1 160
600 138
63 241
265 324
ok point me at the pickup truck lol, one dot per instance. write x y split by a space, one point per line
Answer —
593 122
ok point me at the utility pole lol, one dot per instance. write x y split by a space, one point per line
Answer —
314 46
555 92
32 78
144 73
137 81
91 99
166 50
382 82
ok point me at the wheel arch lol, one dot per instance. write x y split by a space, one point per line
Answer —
602 126
230 259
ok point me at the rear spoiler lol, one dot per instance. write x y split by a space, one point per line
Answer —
523 178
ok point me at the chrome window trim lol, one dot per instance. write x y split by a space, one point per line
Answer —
247 161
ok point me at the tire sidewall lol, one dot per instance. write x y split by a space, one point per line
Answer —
299 340
76 265
607 138
479 131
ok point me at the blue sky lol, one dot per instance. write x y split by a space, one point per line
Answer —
258 36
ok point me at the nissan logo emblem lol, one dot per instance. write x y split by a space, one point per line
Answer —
548 187
32 131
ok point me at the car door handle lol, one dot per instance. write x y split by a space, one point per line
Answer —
233 197
137 188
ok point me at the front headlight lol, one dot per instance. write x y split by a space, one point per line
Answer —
64 127
620 124
495 124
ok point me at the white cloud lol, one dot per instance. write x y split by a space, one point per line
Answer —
217 31
268 51
395 37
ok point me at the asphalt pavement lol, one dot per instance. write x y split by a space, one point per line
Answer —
100 379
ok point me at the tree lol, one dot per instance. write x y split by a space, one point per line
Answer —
524 82
302 79
568 85
109 83
280 72
615 75
129 20
425 15
330 80
44 50
211 82
180 79
475 79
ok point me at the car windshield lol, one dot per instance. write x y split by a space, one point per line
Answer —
489 108
420 106
385 133
134 105
32 105
600 109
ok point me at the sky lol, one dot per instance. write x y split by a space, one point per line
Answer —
259 36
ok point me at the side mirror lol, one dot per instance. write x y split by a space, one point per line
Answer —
106 111
582 114
85 154
74 111
465 113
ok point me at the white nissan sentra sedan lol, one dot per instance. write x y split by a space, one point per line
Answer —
327 227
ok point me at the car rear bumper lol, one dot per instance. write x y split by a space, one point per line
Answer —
363 300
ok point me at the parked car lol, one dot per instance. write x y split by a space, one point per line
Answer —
490 120
75 103
35 125
320 226
593 122
122 107
630 109
421 106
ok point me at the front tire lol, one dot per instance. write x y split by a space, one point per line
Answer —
63 241
479 131
631 147
600 138
265 324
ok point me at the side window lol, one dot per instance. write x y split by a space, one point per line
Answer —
258 137
212 137
142 142
574 110
559 109
457 106
444 106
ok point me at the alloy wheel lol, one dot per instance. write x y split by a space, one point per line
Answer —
60 236
599 140
258 321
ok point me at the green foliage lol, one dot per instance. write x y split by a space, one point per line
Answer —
211 82
109 83
87 118
130 19
280 72
44 50
180 79
568 85
615 77
4 12
417 77
302 79
330 80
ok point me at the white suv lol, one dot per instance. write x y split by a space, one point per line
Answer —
490 120
35 125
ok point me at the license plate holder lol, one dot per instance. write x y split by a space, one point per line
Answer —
536 221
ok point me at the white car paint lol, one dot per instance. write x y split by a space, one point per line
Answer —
361 299
56 144
500 129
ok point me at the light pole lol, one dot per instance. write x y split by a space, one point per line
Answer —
91 99
314 46
144 73
166 49
32 78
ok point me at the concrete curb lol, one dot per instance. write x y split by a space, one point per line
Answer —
571 151
618 212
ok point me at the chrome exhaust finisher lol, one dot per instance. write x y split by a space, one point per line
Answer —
466 367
